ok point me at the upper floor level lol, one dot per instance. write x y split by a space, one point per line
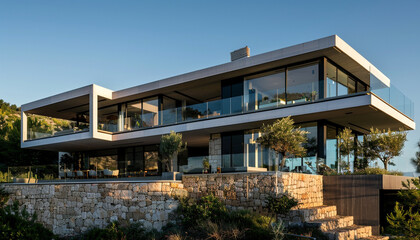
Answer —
323 71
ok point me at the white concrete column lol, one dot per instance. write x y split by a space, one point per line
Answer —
215 151
93 112
23 127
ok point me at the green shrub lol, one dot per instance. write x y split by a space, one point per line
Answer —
326 171
208 218
281 205
405 220
4 197
306 230
256 225
376 171
119 231
207 208
15 224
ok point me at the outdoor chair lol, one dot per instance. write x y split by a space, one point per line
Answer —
70 174
92 173
61 174
79 174
111 173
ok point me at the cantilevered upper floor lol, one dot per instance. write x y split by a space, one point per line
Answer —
324 79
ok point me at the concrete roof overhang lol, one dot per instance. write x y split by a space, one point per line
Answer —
360 112
332 47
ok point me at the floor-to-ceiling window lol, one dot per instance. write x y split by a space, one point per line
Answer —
339 83
108 118
331 147
302 83
169 110
265 90
139 161
150 112
307 163
232 149
132 118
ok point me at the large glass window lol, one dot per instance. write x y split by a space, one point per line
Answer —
108 119
331 80
232 149
151 158
307 164
342 88
169 110
302 83
132 118
256 155
340 83
265 90
150 112
331 147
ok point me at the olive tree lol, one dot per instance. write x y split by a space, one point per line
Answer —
283 138
346 143
384 145
170 145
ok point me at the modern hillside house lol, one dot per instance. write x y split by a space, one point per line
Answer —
324 85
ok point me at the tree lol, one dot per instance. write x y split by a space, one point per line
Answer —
384 145
346 143
416 159
170 144
405 220
284 138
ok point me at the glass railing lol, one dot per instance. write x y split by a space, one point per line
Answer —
393 96
29 174
42 127
68 173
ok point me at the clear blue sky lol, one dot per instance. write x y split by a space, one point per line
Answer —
47 47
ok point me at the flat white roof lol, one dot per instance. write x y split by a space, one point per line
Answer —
332 47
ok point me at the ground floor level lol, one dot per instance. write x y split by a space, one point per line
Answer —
236 151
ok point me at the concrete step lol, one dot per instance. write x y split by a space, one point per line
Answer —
375 238
311 214
350 233
332 223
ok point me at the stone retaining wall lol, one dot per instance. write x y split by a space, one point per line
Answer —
72 208
250 190
68 209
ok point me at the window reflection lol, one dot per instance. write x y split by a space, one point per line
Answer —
302 83
331 80
342 88
265 90
108 119
169 110
150 112
340 83
132 119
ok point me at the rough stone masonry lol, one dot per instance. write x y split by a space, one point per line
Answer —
72 208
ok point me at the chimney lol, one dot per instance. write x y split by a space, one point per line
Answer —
240 53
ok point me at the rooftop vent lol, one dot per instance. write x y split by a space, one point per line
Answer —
240 53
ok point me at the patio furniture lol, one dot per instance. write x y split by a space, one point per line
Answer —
92 173
111 173
61 174
70 174
79 174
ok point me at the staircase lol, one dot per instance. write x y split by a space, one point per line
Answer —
334 226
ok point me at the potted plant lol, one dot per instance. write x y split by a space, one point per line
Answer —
206 165
219 169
